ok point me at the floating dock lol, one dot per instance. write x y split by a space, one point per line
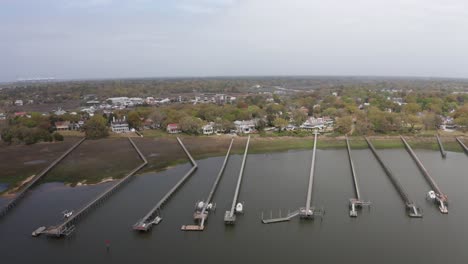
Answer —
412 209
441 147
201 214
354 203
152 217
230 216
30 184
306 212
68 226
440 198
465 148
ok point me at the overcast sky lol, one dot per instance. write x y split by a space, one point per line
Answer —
71 39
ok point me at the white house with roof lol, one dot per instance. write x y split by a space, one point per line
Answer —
208 129
173 128
245 126
120 125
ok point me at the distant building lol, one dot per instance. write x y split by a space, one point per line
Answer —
60 112
20 114
245 126
62 125
2 116
19 102
119 125
173 128
208 129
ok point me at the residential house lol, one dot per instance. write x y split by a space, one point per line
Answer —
173 128
245 126
120 125
19 102
62 125
208 129
2 116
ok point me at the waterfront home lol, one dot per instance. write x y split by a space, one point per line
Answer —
62 125
245 126
2 116
208 129
173 128
19 102
120 125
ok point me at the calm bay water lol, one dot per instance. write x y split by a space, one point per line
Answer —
383 234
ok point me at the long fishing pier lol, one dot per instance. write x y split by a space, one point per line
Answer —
201 214
440 198
354 203
441 147
412 208
230 216
465 148
152 217
306 212
68 226
30 184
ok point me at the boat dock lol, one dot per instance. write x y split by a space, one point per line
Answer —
306 212
152 217
412 208
440 198
230 216
465 148
354 203
67 227
441 147
31 183
309 212
201 214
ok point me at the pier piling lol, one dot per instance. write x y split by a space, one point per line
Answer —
67 227
465 148
441 147
202 214
354 203
230 216
31 183
152 217
412 209
439 197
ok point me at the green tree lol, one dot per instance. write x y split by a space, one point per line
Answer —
344 124
96 127
280 123
134 119
299 117
58 137
190 125
411 108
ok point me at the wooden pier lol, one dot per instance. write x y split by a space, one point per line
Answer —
412 209
465 148
68 226
230 216
354 203
307 212
441 147
440 198
201 215
152 217
31 183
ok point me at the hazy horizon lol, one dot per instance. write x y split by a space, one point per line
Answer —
108 39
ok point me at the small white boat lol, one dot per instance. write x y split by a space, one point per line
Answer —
200 205
38 231
431 194
209 206
67 214
157 220
239 208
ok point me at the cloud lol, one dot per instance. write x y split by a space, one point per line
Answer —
86 3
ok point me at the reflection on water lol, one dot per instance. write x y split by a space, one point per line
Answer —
383 234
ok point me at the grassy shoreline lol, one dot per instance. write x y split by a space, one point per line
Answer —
163 152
